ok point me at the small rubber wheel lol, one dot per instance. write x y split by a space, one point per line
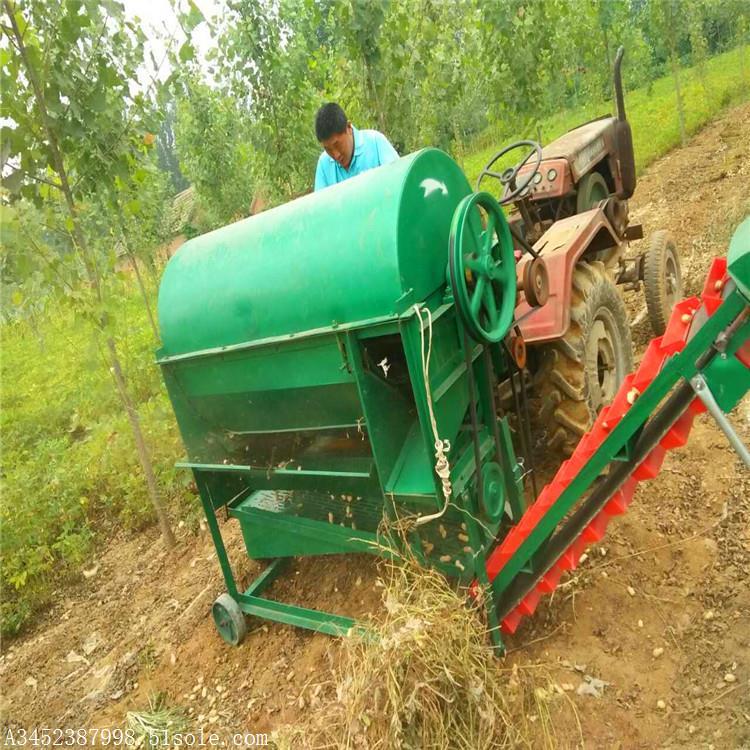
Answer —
229 620
591 189
662 279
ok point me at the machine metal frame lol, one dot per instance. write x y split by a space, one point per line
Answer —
710 354
308 389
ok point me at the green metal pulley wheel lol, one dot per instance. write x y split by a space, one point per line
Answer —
493 491
229 620
482 268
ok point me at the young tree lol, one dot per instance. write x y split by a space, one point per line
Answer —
696 12
666 17
77 127
522 41
28 259
362 22
270 60
166 147
140 223
213 146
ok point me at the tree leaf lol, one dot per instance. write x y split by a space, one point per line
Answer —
192 18
133 207
98 100
13 181
187 52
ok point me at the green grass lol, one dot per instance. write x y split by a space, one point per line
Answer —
651 110
71 476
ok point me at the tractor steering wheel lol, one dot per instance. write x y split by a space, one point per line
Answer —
508 176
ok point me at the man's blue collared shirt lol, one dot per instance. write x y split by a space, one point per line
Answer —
371 149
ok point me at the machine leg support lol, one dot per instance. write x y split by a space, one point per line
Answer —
700 386
267 577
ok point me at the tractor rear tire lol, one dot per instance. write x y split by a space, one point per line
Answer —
662 279
581 372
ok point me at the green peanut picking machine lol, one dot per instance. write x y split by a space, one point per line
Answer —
334 365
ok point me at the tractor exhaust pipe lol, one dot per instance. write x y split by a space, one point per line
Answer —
619 99
623 136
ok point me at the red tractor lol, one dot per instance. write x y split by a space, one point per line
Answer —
569 213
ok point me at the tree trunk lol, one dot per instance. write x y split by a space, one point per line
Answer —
144 295
134 262
678 94
669 23
610 88
152 273
140 444
742 35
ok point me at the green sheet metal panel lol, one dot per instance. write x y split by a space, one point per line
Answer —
283 524
738 262
368 247
223 400
728 378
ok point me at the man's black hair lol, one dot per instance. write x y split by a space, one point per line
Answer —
329 121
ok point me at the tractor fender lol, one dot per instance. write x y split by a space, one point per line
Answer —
561 246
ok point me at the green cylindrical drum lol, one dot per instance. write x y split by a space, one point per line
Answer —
309 393
369 247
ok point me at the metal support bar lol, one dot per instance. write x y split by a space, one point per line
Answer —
267 577
525 426
301 617
700 386
213 526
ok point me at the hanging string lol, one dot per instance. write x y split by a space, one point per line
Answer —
442 447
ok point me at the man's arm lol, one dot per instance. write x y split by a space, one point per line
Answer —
321 179
386 152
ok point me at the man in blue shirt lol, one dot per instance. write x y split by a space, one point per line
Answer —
348 151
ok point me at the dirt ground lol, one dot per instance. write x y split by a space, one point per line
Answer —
660 610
